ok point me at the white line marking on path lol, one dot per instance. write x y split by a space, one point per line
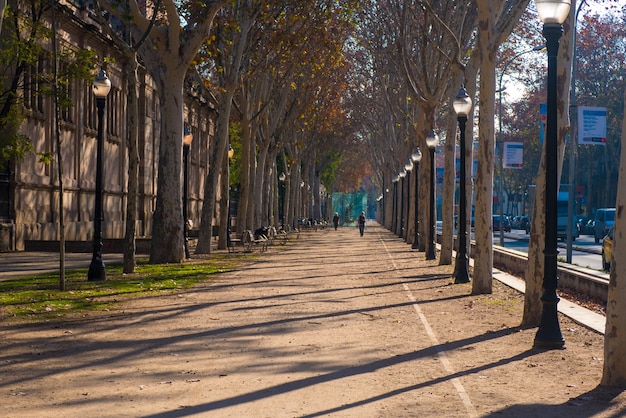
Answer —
443 358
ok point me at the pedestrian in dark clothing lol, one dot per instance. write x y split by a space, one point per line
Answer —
361 223
336 220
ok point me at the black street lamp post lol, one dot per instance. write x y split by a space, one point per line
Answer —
416 156
432 140
552 13
402 176
97 272
187 138
394 212
408 167
462 106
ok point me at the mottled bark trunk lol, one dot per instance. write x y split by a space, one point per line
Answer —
224 213
614 370
247 157
167 232
261 194
215 164
449 187
483 209
133 167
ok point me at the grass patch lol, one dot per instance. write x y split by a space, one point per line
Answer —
37 297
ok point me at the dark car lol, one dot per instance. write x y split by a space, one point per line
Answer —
581 221
605 218
506 223
524 223
588 228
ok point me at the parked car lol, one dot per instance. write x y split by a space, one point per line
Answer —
505 221
515 222
605 218
524 223
581 221
607 250
588 228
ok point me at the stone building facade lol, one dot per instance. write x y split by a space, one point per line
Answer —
29 190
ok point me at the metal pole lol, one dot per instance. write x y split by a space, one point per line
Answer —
430 249
394 190
400 231
461 267
500 158
97 270
407 208
185 196
415 245
549 332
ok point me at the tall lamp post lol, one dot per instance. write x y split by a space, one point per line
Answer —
408 167
101 88
402 175
416 156
394 206
462 106
432 140
552 13
282 177
230 154
187 138
500 140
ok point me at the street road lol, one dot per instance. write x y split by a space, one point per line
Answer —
585 252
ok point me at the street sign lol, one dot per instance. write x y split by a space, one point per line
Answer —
513 155
591 125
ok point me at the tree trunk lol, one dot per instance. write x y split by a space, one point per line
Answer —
211 183
614 370
167 232
247 157
224 203
261 195
133 166
449 186
536 244
3 5
483 229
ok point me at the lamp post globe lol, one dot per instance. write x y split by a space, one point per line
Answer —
552 13
416 157
462 106
97 271
432 140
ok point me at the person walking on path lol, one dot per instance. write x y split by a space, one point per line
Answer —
361 223
336 220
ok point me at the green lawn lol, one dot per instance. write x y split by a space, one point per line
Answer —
35 298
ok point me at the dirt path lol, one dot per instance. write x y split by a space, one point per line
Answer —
334 325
